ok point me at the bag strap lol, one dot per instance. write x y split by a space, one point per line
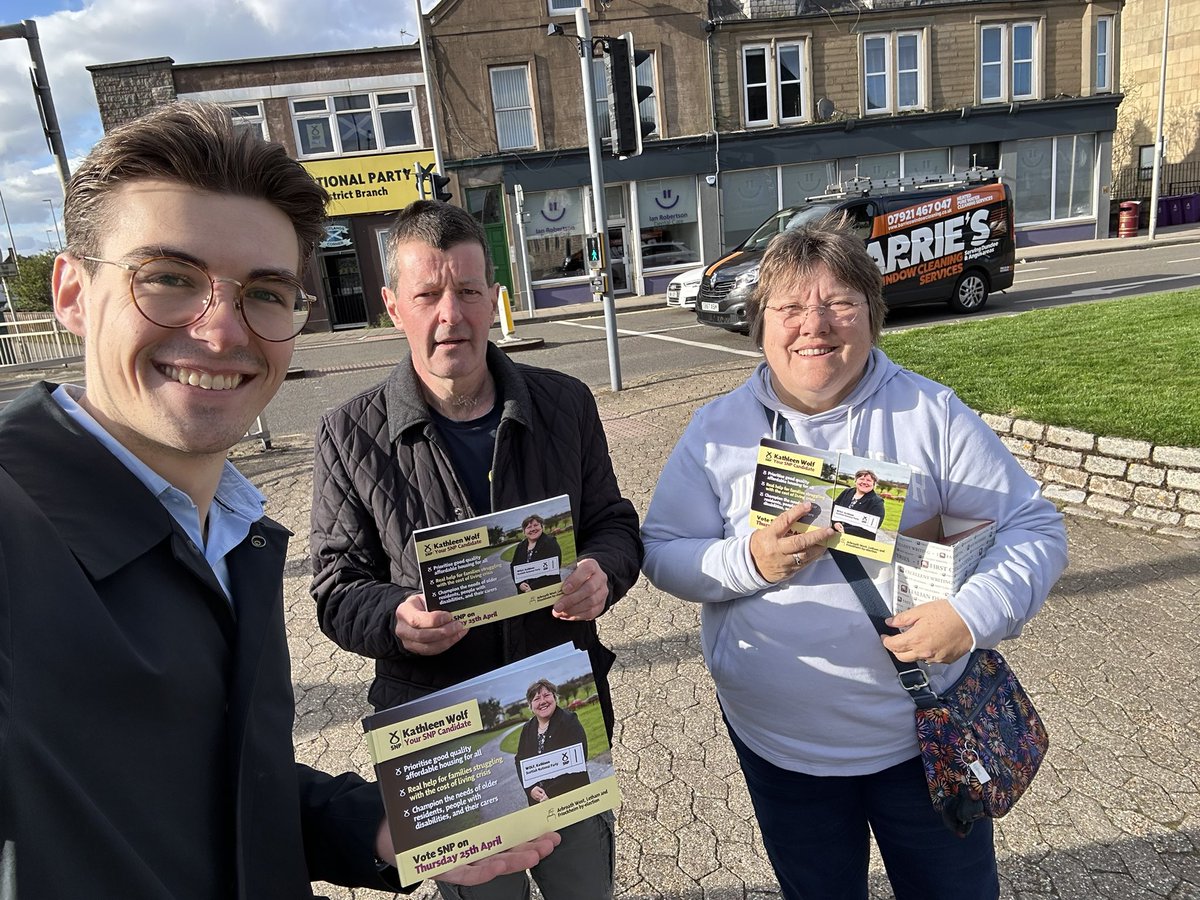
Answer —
913 678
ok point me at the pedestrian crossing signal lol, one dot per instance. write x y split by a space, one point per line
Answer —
595 251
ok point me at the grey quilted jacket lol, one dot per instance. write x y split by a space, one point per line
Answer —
381 472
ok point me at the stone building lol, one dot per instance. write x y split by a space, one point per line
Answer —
753 105
759 103
357 120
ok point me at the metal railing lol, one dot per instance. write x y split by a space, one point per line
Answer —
35 341
1133 182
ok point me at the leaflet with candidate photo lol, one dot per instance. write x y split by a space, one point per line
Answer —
479 767
859 497
500 565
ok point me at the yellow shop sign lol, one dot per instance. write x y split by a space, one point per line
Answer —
367 184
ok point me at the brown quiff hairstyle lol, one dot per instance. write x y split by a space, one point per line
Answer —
793 255
197 145
438 225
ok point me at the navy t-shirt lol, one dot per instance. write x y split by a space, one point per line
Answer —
472 446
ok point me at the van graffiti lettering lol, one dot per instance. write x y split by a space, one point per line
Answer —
894 252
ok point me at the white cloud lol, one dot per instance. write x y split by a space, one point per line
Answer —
106 31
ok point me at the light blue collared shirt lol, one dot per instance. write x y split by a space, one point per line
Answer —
237 505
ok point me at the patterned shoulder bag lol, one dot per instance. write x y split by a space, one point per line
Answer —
981 739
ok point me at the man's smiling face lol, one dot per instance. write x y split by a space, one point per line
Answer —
169 392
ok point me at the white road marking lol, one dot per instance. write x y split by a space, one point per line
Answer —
666 337
1052 277
1104 289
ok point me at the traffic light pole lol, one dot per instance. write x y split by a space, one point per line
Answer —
41 89
600 208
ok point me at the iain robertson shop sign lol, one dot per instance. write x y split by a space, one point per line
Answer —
368 184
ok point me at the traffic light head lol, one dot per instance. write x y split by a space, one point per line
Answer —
438 184
625 95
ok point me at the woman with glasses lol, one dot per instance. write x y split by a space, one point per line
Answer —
823 730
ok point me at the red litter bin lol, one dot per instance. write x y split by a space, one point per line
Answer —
1127 222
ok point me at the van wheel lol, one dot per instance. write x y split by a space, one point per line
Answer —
970 293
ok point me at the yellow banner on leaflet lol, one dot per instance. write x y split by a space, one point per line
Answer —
481 841
364 184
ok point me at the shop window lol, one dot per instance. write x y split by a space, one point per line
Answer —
563 7
668 223
747 198
911 163
355 123
1008 62
892 72
775 87
1055 178
513 106
554 234
807 180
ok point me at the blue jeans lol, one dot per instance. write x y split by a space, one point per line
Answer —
815 832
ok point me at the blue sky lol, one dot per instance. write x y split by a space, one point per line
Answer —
77 33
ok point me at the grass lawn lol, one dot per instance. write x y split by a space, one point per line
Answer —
1123 368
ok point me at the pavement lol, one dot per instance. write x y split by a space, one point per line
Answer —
1112 661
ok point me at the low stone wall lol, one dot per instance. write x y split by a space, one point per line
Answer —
1124 481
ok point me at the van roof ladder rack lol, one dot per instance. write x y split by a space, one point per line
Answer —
866 186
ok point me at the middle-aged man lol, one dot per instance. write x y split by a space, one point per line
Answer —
145 692
458 430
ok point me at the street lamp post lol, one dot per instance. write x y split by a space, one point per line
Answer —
587 50
1158 132
54 217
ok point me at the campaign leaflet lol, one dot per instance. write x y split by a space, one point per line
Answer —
462 774
861 498
500 565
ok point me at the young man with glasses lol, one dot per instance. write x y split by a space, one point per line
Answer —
458 430
145 691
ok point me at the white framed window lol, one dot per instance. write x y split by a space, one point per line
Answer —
513 106
355 123
249 115
562 7
1146 161
892 72
1104 54
1055 179
775 88
1008 62
647 109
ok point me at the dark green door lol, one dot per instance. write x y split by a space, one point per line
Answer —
487 206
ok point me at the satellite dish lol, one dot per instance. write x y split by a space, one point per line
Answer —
825 109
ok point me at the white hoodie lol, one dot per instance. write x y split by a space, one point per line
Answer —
799 669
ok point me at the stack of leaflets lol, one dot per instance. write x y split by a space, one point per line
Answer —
935 558
464 774
862 498
499 565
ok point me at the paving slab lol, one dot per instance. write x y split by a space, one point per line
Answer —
1113 662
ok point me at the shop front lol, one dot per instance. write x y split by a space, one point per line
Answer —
349 265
